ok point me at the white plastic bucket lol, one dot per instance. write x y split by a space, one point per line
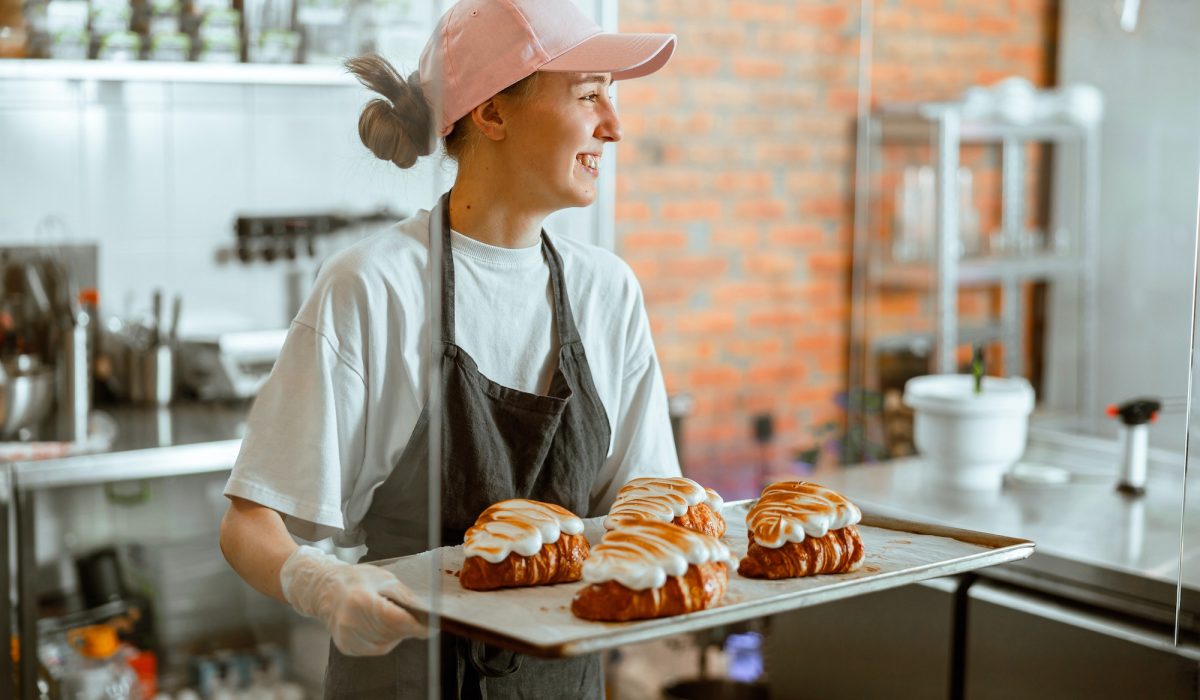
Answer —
970 439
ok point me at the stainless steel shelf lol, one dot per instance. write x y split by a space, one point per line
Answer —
149 463
174 72
976 271
967 335
919 123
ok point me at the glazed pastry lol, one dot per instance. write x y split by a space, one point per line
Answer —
523 543
670 500
650 569
798 528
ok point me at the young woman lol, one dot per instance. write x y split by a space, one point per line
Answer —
549 383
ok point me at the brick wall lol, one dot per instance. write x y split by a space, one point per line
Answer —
735 195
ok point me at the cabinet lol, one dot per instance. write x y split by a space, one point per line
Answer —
932 234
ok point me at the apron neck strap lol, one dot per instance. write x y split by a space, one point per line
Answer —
568 333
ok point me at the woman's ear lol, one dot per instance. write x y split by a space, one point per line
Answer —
488 118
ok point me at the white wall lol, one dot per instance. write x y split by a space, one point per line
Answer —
156 173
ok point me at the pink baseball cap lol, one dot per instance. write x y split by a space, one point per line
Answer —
480 47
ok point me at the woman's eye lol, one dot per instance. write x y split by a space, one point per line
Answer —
592 97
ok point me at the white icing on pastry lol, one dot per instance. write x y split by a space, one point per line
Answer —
788 511
659 498
518 525
643 554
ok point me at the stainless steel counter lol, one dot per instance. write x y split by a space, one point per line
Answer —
1093 543
148 442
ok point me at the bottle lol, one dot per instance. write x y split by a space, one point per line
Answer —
74 380
100 669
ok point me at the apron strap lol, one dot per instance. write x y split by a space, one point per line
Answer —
568 334
441 219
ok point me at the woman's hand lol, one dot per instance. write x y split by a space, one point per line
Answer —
359 603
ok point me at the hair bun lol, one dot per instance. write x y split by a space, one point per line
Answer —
399 128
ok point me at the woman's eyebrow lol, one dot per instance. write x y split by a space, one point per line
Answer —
602 78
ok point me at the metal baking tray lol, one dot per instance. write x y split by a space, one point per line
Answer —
538 620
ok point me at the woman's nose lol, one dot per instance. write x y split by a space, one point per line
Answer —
609 128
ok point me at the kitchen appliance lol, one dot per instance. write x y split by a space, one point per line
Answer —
45 341
231 365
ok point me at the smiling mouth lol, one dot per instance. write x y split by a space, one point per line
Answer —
590 162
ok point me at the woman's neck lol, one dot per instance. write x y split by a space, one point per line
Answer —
492 215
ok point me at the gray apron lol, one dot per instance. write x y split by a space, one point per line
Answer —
497 443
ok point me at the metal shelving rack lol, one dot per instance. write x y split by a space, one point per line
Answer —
1072 209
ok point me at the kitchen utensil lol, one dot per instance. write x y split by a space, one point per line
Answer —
26 395
152 374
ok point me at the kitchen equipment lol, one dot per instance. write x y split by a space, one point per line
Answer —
26 394
1135 417
970 438
229 365
152 374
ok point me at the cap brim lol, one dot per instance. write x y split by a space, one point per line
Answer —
624 55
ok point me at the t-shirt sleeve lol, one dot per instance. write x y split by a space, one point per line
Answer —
305 436
643 444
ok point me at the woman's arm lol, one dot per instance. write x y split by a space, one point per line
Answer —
360 604
256 543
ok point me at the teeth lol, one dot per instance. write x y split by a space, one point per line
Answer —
590 161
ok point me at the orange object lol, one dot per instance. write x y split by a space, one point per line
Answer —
89 296
94 641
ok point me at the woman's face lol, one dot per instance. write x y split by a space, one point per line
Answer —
556 137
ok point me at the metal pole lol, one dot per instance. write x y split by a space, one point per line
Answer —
26 592
7 687
946 254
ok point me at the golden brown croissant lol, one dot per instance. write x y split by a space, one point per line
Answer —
838 552
701 587
520 542
675 499
651 569
557 562
798 528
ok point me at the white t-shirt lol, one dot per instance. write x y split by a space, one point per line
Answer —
350 382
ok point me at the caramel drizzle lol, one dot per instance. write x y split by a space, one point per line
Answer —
640 547
506 525
658 498
789 510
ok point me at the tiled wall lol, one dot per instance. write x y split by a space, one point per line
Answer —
156 172
735 193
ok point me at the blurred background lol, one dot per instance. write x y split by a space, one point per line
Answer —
822 199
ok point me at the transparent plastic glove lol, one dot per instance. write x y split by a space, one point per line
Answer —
355 601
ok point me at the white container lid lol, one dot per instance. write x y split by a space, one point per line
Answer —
955 394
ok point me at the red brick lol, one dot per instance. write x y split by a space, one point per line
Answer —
796 236
826 17
650 239
779 319
735 236
760 209
632 210
744 180
754 68
691 209
728 293
714 376
694 266
706 322
772 264
772 373
829 261
758 11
